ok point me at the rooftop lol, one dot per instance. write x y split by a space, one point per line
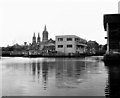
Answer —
69 36
111 18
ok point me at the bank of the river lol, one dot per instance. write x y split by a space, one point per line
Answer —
53 55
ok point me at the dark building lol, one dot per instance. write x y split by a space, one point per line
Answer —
112 26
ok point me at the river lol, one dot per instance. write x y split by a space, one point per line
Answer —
57 77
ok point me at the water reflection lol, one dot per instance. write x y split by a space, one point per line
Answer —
112 89
38 69
46 76
69 73
34 68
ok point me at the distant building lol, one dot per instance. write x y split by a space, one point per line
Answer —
38 40
69 44
45 35
34 39
48 46
44 46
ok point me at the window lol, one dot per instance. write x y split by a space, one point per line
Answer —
69 39
77 39
60 46
69 46
60 39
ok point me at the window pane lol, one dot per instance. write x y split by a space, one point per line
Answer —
60 46
69 46
69 39
60 39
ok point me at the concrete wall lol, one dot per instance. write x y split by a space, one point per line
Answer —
65 43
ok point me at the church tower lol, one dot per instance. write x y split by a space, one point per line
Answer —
45 35
38 39
34 39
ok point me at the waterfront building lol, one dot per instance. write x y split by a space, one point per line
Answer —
112 26
70 44
45 34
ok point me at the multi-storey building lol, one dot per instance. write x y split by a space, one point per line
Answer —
69 44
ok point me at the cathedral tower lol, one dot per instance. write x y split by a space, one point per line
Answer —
38 39
34 39
45 35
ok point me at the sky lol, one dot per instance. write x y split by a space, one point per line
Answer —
119 8
19 19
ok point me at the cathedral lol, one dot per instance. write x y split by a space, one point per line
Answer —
44 37
42 45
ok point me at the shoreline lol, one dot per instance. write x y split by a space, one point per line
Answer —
53 56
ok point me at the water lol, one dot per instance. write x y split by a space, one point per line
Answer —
55 77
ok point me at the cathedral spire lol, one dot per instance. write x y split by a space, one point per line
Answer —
38 38
34 34
45 29
34 39
45 34
38 34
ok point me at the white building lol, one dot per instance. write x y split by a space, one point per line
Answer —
70 44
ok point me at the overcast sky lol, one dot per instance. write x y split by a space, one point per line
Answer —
19 19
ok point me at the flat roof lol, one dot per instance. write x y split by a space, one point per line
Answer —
70 36
111 18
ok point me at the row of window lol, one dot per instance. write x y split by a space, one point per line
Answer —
70 39
61 46
61 39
